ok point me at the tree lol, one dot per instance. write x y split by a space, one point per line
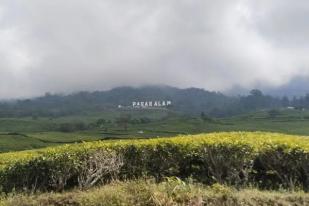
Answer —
256 93
123 121
285 101
66 127
273 113
205 118
80 126
100 123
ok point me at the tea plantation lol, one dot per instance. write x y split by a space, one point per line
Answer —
265 160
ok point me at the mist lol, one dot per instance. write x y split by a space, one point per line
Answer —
66 46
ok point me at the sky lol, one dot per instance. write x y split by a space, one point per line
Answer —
66 46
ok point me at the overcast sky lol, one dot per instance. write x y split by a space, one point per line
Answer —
71 45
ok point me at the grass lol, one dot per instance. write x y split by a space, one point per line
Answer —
37 133
171 192
66 138
15 142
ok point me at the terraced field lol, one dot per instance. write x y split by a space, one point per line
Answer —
27 133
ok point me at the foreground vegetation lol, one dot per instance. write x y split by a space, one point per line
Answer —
265 160
170 192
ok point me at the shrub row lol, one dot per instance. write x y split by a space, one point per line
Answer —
266 160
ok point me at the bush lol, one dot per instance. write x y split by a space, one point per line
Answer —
282 167
71 127
66 127
98 166
59 171
273 113
270 161
223 163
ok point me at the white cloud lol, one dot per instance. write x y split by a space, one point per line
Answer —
64 46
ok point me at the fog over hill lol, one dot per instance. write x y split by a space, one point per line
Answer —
73 45
192 101
298 86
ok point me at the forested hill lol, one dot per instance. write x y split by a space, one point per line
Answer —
190 101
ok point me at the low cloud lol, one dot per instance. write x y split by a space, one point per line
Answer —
65 46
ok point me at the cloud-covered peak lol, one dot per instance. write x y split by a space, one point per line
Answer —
64 46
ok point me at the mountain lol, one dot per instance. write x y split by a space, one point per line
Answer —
298 86
191 101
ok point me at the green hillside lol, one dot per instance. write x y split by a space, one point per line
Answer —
190 101
28 133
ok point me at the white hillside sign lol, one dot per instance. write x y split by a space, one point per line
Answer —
149 104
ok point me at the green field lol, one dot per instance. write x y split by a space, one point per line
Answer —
29 133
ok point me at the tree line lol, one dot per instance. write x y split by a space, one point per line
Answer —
189 101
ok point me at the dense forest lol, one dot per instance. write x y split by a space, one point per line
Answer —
189 101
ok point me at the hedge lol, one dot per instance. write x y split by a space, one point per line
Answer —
265 160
